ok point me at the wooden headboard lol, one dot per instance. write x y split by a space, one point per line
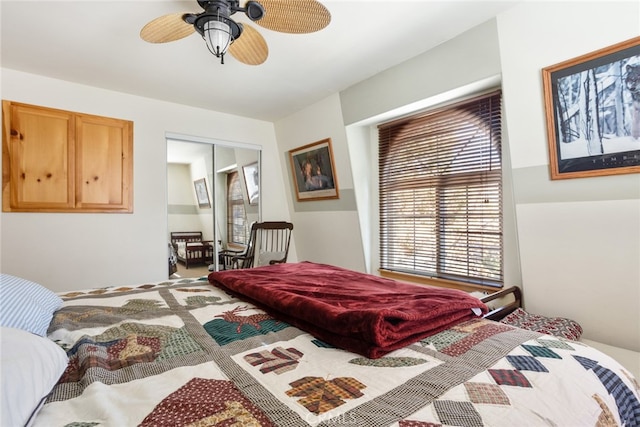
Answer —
186 236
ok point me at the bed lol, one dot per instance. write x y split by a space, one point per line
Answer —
225 350
190 248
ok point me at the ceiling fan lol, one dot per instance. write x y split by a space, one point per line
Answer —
221 33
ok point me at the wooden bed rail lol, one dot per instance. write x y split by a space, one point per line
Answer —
499 313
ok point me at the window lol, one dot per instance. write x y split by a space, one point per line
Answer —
441 193
237 229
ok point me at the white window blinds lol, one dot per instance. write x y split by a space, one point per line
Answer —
441 192
237 228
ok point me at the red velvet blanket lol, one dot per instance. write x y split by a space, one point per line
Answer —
358 312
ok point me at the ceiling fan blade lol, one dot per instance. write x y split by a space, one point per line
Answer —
166 28
250 48
294 16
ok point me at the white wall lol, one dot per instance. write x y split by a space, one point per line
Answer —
77 251
181 201
184 213
579 238
203 168
325 231
436 76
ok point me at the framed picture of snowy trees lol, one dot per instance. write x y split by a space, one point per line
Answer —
593 112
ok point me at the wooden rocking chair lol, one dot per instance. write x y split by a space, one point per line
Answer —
268 245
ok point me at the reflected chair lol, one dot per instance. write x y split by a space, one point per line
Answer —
268 245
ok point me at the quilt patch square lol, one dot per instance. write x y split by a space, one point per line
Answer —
319 395
206 402
489 394
509 377
457 413
538 351
321 344
126 345
278 360
480 334
232 326
444 339
527 363
563 345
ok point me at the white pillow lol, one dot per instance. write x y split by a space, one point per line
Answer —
30 367
264 258
26 305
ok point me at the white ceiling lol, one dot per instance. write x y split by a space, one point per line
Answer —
187 152
97 43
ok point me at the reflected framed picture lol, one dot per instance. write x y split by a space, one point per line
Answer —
592 105
252 182
202 194
314 174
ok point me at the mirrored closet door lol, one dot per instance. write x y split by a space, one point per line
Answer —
213 191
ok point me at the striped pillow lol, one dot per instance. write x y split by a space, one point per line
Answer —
26 305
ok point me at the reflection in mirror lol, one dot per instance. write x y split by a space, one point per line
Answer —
238 184
227 171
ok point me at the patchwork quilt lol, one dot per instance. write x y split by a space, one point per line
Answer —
185 353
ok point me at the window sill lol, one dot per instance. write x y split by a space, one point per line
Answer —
433 281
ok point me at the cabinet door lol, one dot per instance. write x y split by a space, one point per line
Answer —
104 164
61 161
38 158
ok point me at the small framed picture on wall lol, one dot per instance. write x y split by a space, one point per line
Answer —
314 176
202 194
252 182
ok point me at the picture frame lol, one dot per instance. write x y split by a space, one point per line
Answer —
252 182
313 171
202 194
592 109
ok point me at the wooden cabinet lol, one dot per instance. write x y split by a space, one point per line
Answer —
62 161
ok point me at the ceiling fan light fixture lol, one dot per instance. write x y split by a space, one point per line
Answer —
217 35
219 31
